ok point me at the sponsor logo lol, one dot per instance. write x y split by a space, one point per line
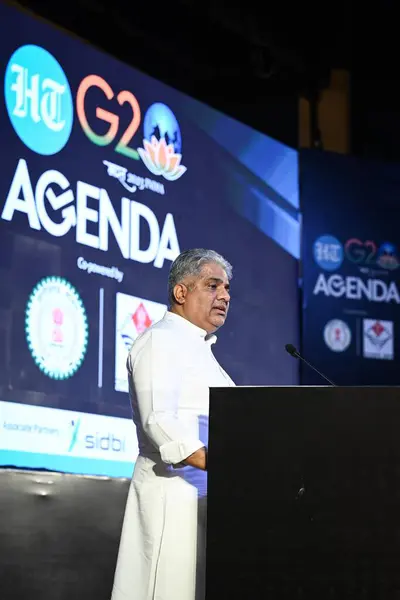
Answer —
328 252
38 100
378 339
56 328
337 335
354 288
98 441
52 431
133 316
53 188
90 267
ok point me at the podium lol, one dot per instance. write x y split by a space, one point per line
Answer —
303 493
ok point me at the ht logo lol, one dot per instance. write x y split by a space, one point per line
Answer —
38 100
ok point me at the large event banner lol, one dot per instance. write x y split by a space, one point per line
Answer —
106 175
350 269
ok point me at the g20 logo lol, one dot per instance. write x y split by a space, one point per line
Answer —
366 253
359 252
113 120
162 142
38 100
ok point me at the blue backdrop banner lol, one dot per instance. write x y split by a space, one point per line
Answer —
106 176
350 267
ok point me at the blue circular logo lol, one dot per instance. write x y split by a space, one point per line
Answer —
387 256
161 122
38 100
328 252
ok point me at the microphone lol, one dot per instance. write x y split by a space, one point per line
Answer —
293 352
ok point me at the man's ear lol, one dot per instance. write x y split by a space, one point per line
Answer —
180 293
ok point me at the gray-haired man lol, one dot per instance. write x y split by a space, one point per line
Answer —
171 368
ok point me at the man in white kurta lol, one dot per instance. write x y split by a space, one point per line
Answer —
171 367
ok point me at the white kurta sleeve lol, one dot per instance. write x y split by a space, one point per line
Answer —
156 374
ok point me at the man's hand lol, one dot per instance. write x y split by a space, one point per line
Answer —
198 459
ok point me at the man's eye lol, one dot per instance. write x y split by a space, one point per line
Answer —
212 286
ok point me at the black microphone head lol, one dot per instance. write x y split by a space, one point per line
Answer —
292 350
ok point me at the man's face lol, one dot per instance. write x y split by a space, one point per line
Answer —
206 298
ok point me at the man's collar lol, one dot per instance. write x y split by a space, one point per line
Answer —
190 327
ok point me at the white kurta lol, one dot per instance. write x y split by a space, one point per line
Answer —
162 550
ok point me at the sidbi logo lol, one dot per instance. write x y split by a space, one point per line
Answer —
38 100
94 441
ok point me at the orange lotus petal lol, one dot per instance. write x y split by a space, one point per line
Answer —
161 156
173 162
161 159
150 149
174 175
145 156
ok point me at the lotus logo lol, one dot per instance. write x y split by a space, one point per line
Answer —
162 155
161 159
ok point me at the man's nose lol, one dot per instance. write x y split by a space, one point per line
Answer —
225 295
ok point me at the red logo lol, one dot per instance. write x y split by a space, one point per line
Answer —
378 329
58 319
141 318
379 334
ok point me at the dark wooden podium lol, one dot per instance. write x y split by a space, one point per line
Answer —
304 494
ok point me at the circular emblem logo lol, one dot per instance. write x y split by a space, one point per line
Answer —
38 100
387 257
56 328
328 252
162 143
160 122
337 335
